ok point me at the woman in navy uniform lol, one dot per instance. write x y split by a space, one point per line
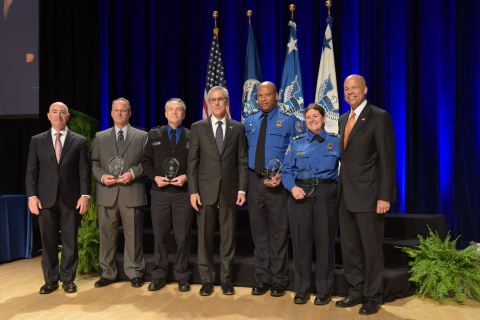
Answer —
313 215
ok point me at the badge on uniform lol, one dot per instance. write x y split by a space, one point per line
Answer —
330 147
298 126
278 124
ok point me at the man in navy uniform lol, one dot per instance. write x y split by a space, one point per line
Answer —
268 134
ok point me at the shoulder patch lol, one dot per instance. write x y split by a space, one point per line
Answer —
298 126
298 137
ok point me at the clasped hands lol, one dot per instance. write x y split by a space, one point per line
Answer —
274 182
125 178
178 181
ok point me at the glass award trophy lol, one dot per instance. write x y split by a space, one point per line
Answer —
115 165
274 167
171 166
306 181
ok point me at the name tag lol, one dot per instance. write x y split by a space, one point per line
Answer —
156 143
301 153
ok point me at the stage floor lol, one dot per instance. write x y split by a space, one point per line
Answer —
19 299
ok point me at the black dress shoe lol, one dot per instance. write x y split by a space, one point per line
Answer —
349 301
183 285
49 287
227 288
322 299
260 288
301 297
103 282
206 289
69 287
277 290
156 284
137 282
370 307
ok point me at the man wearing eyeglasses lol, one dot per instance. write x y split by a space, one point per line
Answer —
218 179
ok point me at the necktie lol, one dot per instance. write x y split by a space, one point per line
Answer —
260 151
219 137
58 146
173 138
348 128
318 138
120 141
6 7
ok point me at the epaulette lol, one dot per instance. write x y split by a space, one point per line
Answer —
333 134
298 137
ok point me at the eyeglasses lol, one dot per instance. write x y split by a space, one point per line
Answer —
213 100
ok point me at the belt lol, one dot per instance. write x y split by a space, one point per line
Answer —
315 181
261 174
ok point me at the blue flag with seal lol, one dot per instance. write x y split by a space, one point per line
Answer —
291 92
326 93
253 77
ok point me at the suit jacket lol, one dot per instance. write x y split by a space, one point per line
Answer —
71 177
368 168
207 169
103 149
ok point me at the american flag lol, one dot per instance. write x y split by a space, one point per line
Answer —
215 74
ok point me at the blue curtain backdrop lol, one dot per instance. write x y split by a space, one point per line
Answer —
420 58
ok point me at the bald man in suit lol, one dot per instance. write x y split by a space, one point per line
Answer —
366 188
217 181
120 198
58 184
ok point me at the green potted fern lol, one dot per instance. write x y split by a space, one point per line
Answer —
442 272
88 234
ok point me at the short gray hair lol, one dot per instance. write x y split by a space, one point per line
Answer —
180 101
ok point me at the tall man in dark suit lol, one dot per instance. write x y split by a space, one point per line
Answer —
218 179
18 57
121 197
366 188
170 198
58 184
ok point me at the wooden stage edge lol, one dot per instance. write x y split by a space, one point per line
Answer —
19 299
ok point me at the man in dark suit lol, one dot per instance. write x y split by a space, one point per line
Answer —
218 179
366 188
18 57
58 184
170 198
120 197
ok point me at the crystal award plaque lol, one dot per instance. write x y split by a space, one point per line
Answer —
306 181
274 166
115 165
171 166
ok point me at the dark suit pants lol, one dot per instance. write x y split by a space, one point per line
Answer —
314 224
361 235
51 220
171 208
267 209
108 224
206 219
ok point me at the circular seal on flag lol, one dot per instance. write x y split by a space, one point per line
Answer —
330 147
278 124
298 126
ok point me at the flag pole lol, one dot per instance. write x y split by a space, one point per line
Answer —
328 4
292 9
249 15
215 15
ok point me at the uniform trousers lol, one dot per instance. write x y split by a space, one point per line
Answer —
313 225
171 209
267 209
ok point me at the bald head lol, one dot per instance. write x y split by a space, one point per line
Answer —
267 96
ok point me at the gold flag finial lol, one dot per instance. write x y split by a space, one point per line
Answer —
292 9
249 15
328 4
215 15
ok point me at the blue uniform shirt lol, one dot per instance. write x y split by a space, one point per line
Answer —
178 132
281 128
323 158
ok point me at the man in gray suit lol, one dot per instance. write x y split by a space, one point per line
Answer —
217 182
121 197
366 187
58 183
